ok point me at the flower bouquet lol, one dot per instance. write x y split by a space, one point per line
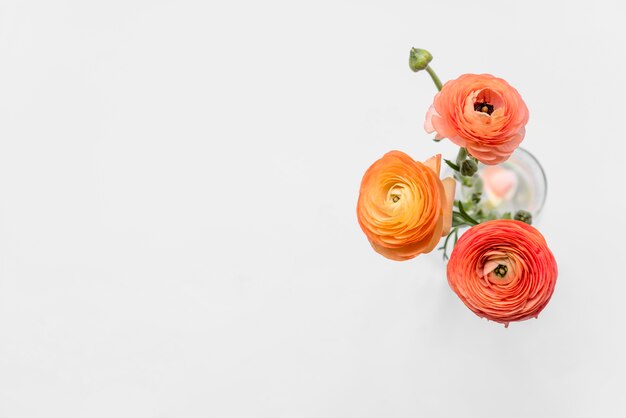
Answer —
501 267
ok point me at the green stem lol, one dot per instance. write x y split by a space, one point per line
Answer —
461 156
444 247
432 74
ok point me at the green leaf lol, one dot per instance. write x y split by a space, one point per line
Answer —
465 215
458 222
452 165
462 209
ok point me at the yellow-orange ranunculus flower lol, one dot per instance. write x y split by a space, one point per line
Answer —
404 208
503 270
481 112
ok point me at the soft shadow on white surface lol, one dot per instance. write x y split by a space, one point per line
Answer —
178 237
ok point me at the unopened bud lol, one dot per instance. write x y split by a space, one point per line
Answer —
419 59
468 168
524 216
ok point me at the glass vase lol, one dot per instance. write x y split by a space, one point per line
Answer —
500 191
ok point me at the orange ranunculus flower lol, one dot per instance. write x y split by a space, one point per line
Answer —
404 208
481 112
503 270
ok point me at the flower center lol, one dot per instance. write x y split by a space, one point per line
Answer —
484 107
501 270
395 193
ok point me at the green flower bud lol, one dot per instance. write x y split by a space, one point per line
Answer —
524 216
468 168
419 59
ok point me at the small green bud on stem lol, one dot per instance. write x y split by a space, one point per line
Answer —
419 59
524 216
469 168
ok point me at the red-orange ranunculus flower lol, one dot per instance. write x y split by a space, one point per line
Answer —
404 208
503 270
481 112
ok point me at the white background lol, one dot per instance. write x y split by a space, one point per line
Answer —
178 183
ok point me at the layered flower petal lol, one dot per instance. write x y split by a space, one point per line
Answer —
403 207
481 112
503 270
